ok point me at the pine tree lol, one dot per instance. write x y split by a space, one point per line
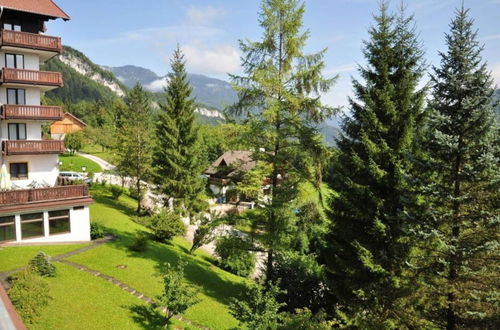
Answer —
177 158
369 242
464 143
134 145
279 94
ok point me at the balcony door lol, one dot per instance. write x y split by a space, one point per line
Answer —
16 96
17 131
14 61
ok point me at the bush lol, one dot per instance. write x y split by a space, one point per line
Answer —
165 225
140 242
116 191
96 231
29 294
235 256
133 192
41 265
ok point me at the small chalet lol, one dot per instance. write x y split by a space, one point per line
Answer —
69 124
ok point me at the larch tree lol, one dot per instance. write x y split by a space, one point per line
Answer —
369 243
134 145
177 159
279 97
464 147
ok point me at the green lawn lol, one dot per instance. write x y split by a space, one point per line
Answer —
95 150
74 163
143 270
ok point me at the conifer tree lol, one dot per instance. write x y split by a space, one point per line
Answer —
369 243
279 94
177 158
134 145
464 146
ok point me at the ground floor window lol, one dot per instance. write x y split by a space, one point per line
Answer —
7 228
32 225
19 170
59 222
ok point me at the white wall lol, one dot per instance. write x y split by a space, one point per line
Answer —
80 228
33 129
32 95
41 168
31 61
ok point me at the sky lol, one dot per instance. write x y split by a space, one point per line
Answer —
145 32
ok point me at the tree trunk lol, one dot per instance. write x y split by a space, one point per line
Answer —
139 196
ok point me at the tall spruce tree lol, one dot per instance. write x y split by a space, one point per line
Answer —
134 145
279 94
177 157
369 242
464 146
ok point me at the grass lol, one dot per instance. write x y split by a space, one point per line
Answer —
74 163
143 270
96 150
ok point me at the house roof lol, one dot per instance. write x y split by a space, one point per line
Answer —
240 159
75 119
42 7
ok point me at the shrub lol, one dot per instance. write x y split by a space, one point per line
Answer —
42 266
29 294
235 256
96 231
165 225
133 193
140 242
116 191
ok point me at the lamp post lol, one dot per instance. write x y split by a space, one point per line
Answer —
84 169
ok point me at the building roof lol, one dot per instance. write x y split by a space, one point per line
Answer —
74 119
41 7
237 160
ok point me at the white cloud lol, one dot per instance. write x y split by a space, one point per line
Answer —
350 67
203 15
491 37
157 85
495 72
215 60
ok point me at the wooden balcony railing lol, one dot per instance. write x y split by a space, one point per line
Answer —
40 112
32 147
30 40
32 77
24 196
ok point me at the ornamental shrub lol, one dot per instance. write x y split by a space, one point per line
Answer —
96 231
165 225
235 256
140 242
41 265
116 191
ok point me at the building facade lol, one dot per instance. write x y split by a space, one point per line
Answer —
33 208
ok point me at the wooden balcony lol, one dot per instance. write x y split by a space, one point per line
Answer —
31 112
30 41
31 77
39 198
32 147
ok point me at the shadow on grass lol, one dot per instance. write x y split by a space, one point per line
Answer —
147 317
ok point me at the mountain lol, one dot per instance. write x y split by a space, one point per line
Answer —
211 92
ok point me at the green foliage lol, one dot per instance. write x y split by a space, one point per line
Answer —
140 242
74 141
116 191
177 296
165 225
304 319
258 307
29 294
41 265
204 233
96 231
177 158
215 140
235 256
250 185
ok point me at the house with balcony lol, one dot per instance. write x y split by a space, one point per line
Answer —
33 208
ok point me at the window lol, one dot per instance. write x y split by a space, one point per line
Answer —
17 131
7 228
13 25
32 225
14 61
16 96
19 170
59 222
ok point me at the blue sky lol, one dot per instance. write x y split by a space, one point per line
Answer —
144 32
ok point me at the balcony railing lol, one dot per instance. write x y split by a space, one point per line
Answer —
32 147
30 40
32 77
40 112
23 196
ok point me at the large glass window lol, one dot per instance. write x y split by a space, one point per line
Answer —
59 222
16 96
14 61
7 228
19 170
32 225
17 131
13 25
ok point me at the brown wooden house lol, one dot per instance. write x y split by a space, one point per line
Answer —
69 124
